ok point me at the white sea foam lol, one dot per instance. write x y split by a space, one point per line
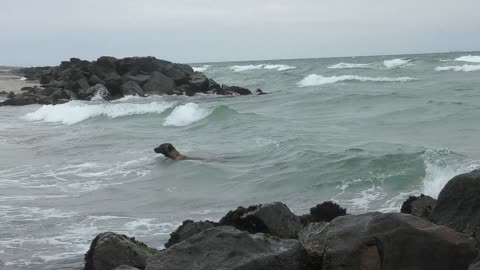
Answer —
201 69
469 58
440 167
185 115
466 68
261 66
349 65
314 80
75 111
23 79
278 67
395 63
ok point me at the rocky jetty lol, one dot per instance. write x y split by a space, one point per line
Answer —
429 234
111 78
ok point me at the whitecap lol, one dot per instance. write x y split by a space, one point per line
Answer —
239 68
23 79
395 63
315 80
466 68
440 167
201 69
187 114
469 58
278 67
349 65
75 111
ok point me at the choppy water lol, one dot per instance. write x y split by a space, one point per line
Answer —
365 132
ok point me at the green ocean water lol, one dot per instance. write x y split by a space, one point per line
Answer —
365 132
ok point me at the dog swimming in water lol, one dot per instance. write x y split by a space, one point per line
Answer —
169 151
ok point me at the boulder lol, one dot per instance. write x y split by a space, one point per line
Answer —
272 218
95 80
158 84
187 230
81 85
199 82
19 100
132 88
421 206
240 90
26 88
176 73
140 79
375 241
226 248
458 204
326 211
110 250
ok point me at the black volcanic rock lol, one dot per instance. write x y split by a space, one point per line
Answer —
110 250
272 218
132 88
458 204
225 248
421 206
158 84
377 241
187 230
326 211
131 75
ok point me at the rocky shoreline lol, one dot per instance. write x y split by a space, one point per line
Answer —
111 78
440 234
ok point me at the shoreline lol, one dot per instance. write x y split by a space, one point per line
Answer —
11 82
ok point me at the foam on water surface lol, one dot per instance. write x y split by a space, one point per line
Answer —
185 115
315 80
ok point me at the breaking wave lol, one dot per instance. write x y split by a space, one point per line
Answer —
349 65
187 114
469 58
201 69
261 66
441 166
315 80
395 63
466 68
75 111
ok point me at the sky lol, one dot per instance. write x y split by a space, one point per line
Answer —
45 32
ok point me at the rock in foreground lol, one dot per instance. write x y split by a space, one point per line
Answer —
272 218
226 248
458 205
377 241
110 250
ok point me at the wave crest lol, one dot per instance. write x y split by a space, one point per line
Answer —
75 111
469 58
349 65
440 167
315 80
466 68
187 114
239 68
396 63
201 69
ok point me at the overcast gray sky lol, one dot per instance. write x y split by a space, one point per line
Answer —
44 32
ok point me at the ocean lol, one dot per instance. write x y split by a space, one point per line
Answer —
365 132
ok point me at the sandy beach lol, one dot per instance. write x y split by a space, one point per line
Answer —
10 81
